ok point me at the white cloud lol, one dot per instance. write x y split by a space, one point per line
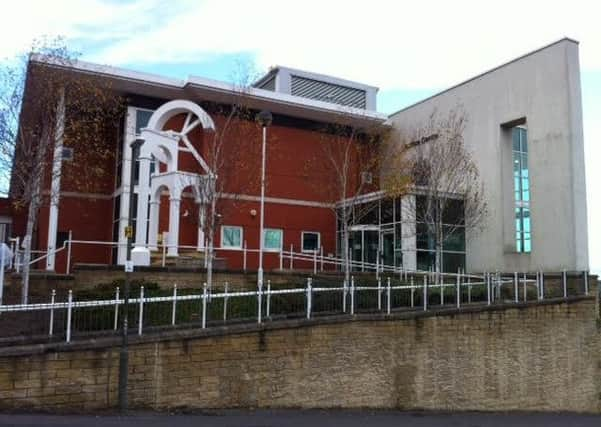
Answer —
388 44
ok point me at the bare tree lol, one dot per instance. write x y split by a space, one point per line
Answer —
445 180
230 173
44 105
349 162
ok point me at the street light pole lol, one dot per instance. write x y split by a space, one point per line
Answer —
124 353
264 118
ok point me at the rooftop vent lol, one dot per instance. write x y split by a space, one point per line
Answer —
319 87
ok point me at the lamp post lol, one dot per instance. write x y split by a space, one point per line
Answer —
264 119
124 353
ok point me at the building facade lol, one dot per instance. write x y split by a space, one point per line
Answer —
524 132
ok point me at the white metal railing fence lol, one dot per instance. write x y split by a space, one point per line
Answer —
217 307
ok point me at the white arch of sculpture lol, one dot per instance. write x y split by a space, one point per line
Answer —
164 146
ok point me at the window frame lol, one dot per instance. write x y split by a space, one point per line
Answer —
265 248
238 227
310 251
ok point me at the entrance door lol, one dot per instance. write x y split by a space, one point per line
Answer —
388 248
364 244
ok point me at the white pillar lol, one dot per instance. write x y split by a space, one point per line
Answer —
143 194
153 225
129 135
408 232
55 186
174 205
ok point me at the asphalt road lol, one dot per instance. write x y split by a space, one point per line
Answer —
313 418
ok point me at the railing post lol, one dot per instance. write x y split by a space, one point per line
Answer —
564 279
458 291
291 257
309 297
69 252
244 257
164 244
174 305
412 293
469 290
225 298
321 255
352 295
141 311
441 278
69 310
542 285
116 315
204 306
281 258
268 303
425 295
259 301
314 262
344 294
488 288
388 304
525 287
51 326
585 282
515 286
380 293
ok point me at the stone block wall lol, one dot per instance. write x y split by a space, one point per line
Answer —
541 356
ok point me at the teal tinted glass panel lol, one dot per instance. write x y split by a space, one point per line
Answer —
273 240
232 237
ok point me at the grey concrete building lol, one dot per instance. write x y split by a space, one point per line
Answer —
525 133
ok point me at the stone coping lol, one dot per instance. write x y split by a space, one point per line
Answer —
186 333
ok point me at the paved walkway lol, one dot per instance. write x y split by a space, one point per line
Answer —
313 418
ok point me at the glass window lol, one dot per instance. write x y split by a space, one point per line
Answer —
521 187
310 241
231 237
425 237
454 239
453 212
425 260
272 239
387 211
142 118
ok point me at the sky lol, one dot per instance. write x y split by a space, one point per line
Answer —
408 49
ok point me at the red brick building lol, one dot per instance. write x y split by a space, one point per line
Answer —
177 119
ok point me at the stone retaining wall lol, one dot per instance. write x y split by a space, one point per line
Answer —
540 356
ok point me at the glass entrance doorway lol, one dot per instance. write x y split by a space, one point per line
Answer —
364 244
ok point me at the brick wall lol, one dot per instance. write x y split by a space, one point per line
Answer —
541 356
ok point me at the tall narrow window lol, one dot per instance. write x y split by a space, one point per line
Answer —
521 186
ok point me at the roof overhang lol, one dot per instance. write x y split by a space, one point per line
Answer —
202 89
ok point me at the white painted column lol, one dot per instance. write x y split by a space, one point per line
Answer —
408 231
174 206
153 225
129 135
55 186
143 194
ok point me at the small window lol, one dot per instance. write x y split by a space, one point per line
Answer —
231 237
310 241
272 239
142 118
67 154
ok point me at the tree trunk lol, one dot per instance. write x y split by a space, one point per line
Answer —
31 220
345 248
210 242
